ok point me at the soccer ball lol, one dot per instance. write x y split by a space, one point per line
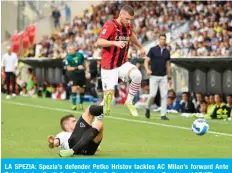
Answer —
200 127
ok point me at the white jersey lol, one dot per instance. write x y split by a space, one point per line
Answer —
10 62
64 137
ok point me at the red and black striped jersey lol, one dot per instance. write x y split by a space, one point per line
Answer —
113 56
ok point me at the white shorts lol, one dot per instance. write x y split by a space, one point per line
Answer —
110 77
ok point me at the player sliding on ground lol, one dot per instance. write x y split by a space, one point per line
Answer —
115 38
81 137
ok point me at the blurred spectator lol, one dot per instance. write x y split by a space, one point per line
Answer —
203 107
206 98
33 91
31 80
134 58
199 99
187 105
172 105
229 101
210 105
210 27
56 17
221 111
59 93
67 13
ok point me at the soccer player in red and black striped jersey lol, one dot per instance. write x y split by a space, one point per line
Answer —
114 39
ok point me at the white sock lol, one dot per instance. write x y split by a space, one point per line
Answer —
136 77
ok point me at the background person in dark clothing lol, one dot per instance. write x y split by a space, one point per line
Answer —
160 74
56 16
187 105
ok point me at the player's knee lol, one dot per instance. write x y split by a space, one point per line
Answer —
95 110
136 76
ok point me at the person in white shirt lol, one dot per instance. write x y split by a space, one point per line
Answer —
9 66
81 137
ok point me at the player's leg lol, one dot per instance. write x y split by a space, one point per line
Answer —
82 85
82 94
130 71
109 80
72 79
93 146
163 85
88 133
153 87
74 97
8 76
13 84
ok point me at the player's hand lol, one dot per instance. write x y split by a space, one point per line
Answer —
149 72
87 75
51 140
80 67
120 44
142 52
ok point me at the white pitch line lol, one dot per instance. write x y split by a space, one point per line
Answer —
111 117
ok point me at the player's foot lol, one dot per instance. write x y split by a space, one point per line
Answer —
132 109
66 153
164 118
13 95
74 107
147 113
8 97
107 104
80 107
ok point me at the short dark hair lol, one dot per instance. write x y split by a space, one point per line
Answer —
186 93
203 102
64 118
128 9
220 95
162 35
172 91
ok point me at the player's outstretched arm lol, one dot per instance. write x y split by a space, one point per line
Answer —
134 40
101 42
53 142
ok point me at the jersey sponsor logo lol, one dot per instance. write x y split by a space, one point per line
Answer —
82 124
122 38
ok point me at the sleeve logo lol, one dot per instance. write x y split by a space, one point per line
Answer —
104 31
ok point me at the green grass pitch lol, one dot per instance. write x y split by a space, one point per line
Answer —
26 123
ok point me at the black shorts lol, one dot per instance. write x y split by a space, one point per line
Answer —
81 127
77 79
